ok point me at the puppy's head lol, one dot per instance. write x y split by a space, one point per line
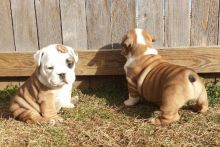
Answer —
136 42
56 65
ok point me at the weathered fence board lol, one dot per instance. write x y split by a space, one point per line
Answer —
98 23
27 25
122 19
177 23
150 17
204 26
6 37
110 62
24 24
48 22
73 18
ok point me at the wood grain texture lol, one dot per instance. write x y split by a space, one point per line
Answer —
111 62
48 22
201 59
98 23
150 17
122 19
177 23
6 37
204 22
105 62
24 24
73 17
16 64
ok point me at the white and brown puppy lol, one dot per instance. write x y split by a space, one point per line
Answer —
156 80
49 88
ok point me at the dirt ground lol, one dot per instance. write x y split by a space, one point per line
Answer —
101 119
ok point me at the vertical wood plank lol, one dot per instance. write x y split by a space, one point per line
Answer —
177 23
6 37
204 26
48 22
122 20
24 24
73 17
150 17
98 23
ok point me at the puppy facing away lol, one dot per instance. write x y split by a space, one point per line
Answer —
155 80
49 88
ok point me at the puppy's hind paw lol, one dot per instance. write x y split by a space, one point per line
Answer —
200 109
154 121
75 99
131 101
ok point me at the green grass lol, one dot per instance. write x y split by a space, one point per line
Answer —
112 94
8 92
213 91
101 119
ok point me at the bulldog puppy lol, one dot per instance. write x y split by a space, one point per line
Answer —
152 78
49 88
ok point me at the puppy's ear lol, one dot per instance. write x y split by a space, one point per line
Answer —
74 54
126 45
148 36
126 42
37 57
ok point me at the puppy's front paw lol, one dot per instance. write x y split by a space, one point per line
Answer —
75 99
154 121
55 120
131 101
70 105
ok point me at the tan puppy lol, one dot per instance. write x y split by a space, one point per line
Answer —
49 88
156 80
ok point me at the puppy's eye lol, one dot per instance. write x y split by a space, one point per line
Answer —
50 67
70 64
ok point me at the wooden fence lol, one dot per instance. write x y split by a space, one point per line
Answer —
178 25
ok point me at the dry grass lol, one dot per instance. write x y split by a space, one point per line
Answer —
100 119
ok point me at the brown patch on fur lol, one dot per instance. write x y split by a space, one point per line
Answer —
70 62
61 48
127 42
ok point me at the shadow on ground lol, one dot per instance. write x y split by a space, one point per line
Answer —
5 96
114 95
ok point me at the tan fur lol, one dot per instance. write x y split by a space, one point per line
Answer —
34 102
61 48
158 81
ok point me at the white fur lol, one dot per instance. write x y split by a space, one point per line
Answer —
131 101
140 37
64 97
130 59
151 51
51 57
128 62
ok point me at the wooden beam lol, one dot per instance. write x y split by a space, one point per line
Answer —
110 62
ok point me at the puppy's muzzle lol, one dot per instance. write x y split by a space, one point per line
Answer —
62 76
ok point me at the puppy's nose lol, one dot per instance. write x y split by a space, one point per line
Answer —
62 75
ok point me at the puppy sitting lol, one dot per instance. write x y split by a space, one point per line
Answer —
156 80
49 88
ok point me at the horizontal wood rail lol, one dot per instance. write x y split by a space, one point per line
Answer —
110 62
